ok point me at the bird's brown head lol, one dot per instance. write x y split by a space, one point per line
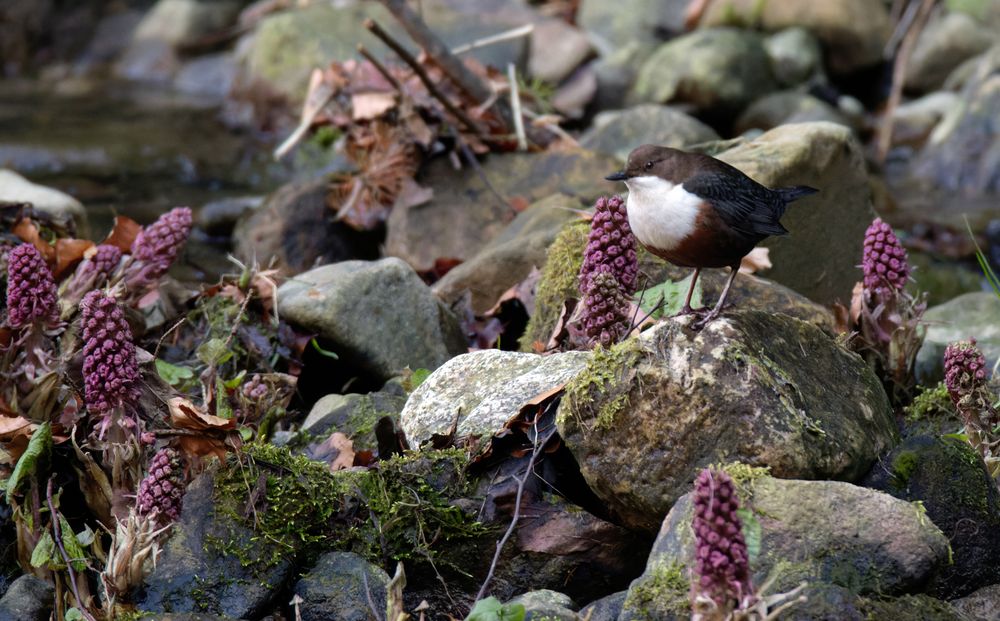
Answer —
653 161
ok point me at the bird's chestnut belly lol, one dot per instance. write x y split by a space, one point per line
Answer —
712 243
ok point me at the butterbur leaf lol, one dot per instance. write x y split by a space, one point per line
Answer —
214 352
751 532
73 548
672 294
173 374
39 448
44 554
74 614
490 609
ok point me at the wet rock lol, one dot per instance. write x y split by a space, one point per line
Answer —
943 45
111 36
338 588
482 390
853 32
378 314
913 121
151 61
962 153
464 214
557 48
27 599
618 132
575 94
233 585
787 107
616 71
178 22
605 609
211 75
716 71
353 415
819 258
756 387
509 258
822 532
942 280
909 608
948 476
981 605
559 277
975 315
795 55
546 605
63 208
184 616
218 218
295 226
285 46
616 24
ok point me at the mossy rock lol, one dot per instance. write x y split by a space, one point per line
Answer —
660 594
354 415
948 477
918 607
764 389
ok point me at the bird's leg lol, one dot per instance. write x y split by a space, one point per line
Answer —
686 309
702 322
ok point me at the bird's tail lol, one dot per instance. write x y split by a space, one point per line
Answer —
796 192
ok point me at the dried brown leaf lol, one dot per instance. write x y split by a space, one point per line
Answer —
187 415
69 252
123 233
758 259
28 232
368 106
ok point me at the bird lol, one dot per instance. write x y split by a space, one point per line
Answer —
694 210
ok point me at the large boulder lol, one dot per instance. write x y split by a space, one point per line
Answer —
482 390
819 258
787 107
972 315
546 605
853 32
795 55
63 208
509 257
378 314
339 587
27 599
981 605
755 387
947 41
466 213
295 228
950 479
180 22
613 25
829 533
618 132
716 71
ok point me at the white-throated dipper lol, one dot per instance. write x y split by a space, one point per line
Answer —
696 211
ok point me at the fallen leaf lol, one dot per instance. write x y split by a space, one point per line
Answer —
123 233
28 232
337 450
367 106
758 259
69 252
187 415
519 203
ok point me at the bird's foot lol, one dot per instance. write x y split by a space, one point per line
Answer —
703 320
687 310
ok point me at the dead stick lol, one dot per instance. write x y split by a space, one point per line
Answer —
380 67
57 531
432 88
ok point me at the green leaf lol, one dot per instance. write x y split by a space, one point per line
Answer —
44 553
667 298
490 609
214 352
74 614
222 407
173 374
39 447
321 351
73 548
236 381
85 536
957 436
751 532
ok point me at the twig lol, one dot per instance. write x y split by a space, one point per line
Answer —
179 323
536 449
368 596
380 67
432 88
898 75
470 157
57 531
507 35
515 108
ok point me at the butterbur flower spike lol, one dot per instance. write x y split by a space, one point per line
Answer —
161 492
884 262
605 317
94 272
159 243
966 376
610 244
110 370
31 291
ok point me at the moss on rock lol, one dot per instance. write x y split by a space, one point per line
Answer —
660 594
557 283
605 383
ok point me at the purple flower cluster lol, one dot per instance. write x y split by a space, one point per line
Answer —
159 243
31 290
605 315
722 566
93 272
255 389
884 261
610 244
104 261
162 491
110 371
964 369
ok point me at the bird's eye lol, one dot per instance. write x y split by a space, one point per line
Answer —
648 166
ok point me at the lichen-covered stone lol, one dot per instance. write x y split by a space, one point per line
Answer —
339 587
546 605
949 478
824 532
352 414
760 388
981 605
617 132
482 390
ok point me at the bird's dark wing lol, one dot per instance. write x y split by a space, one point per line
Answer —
742 203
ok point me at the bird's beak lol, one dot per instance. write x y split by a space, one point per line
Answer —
618 176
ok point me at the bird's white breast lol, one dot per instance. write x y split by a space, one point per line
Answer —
660 213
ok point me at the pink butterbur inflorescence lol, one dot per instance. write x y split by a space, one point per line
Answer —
162 491
610 244
966 377
31 290
605 317
884 261
154 250
110 371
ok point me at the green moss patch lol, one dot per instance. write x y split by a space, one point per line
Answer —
558 282
930 403
661 593
600 392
